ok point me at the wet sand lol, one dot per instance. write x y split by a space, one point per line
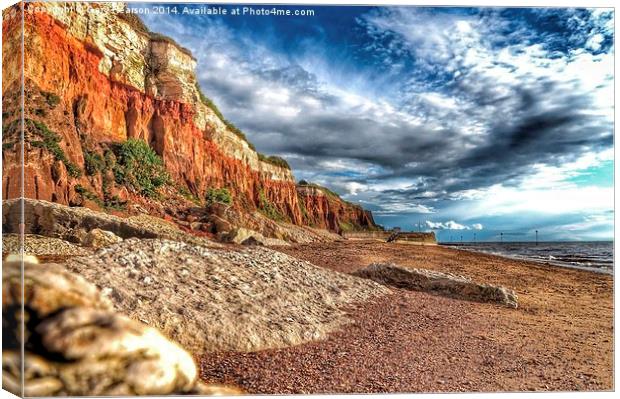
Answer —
560 337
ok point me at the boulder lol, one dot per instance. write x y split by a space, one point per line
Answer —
245 236
34 244
241 234
220 225
76 344
445 284
252 241
98 238
218 299
73 224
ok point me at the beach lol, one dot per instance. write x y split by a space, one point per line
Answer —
559 339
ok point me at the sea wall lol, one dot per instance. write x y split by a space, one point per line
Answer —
404 237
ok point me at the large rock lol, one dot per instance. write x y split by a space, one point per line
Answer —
98 238
76 344
210 299
74 224
245 236
437 282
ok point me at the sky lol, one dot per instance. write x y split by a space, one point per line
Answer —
458 120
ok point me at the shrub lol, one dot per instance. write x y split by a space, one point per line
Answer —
346 226
50 98
139 167
218 195
113 203
93 163
267 208
87 194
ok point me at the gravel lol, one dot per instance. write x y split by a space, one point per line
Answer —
41 246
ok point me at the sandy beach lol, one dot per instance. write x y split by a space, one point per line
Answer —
559 339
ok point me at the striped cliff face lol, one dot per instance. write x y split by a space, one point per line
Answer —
94 78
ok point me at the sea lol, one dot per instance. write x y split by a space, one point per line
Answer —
596 256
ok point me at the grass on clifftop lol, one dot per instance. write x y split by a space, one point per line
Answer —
274 160
304 183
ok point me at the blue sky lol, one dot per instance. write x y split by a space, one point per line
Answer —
465 120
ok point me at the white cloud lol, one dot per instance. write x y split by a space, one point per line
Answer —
450 225
354 187
502 132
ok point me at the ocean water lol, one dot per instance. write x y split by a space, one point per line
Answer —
593 255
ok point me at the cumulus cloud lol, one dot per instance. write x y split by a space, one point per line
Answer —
450 225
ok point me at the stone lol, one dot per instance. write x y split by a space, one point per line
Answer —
445 284
220 225
73 224
76 344
98 238
218 299
252 241
241 234
42 246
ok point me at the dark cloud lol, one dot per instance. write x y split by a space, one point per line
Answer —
458 101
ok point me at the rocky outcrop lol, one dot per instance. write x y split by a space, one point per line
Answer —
76 344
97 238
212 300
95 77
76 224
249 237
324 209
439 283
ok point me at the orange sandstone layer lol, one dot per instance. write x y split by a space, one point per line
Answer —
113 82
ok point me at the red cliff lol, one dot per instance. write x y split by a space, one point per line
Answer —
96 79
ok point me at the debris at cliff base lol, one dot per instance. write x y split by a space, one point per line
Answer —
212 299
249 237
77 345
74 224
445 284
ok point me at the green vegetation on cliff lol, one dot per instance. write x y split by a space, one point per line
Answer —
139 167
274 160
93 163
268 208
218 195
49 141
327 191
